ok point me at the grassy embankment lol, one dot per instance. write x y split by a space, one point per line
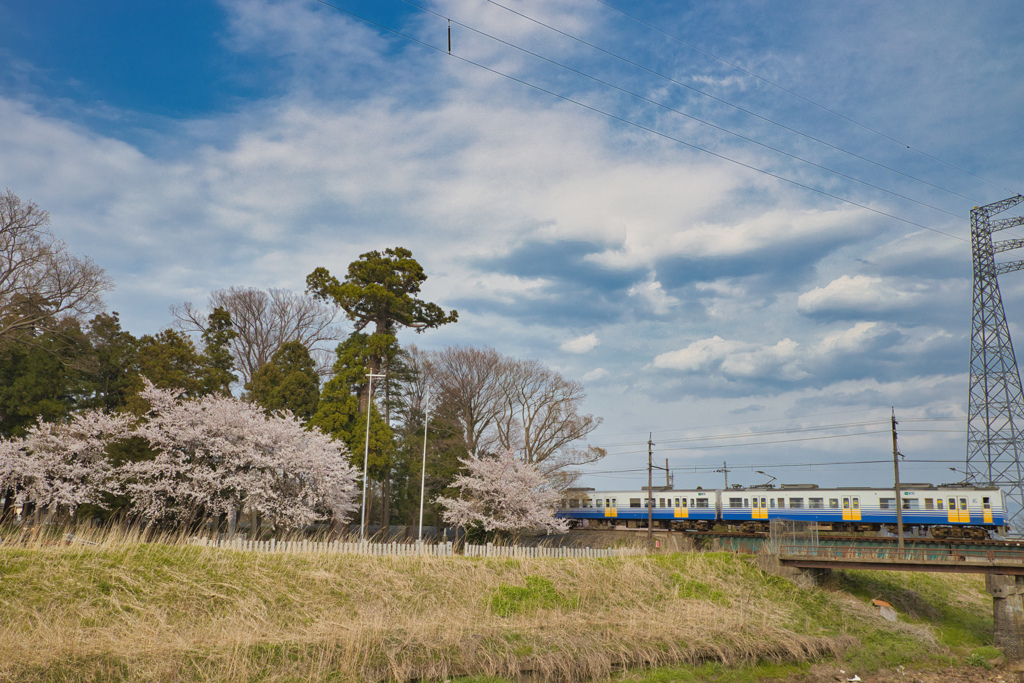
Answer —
127 611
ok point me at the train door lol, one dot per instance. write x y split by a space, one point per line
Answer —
610 510
957 511
851 509
759 508
986 510
681 509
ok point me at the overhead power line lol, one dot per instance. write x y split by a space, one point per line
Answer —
679 112
642 127
721 100
812 103
789 430
775 465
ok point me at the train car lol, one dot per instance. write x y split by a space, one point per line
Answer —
949 511
671 508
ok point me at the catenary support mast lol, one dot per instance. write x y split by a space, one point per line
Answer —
995 410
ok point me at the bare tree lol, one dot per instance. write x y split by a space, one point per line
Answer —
468 384
40 281
540 418
504 403
419 390
266 320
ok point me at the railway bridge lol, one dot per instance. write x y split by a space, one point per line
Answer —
1002 565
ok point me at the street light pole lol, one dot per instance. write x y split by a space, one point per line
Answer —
423 471
366 453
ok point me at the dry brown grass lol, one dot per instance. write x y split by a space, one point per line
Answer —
122 610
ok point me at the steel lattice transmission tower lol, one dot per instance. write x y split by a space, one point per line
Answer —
995 410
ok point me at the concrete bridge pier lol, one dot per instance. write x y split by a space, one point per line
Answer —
1008 612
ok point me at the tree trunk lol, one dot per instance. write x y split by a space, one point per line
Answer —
385 503
8 514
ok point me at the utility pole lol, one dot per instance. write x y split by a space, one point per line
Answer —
725 471
896 471
650 492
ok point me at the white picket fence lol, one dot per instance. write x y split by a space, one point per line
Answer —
491 550
346 547
407 549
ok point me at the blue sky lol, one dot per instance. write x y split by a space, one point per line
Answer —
725 218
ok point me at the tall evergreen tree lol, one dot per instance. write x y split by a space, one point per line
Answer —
379 292
288 382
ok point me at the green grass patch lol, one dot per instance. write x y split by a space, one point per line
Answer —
538 593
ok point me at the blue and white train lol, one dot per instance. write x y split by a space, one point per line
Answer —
947 511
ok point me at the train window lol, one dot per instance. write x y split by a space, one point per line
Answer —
661 502
772 501
735 502
683 501
938 503
816 503
963 503
846 503
634 502
952 503
613 503
796 502
600 503
911 504
746 502
986 504
886 503
856 503
782 502
691 503
702 502
929 503
763 504
833 503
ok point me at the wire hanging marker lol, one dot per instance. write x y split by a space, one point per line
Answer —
449 36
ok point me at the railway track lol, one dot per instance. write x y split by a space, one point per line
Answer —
909 541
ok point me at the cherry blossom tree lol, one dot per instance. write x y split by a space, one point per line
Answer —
503 494
212 455
216 454
60 466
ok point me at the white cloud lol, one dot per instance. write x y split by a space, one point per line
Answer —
861 292
853 340
595 374
652 293
736 359
584 344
